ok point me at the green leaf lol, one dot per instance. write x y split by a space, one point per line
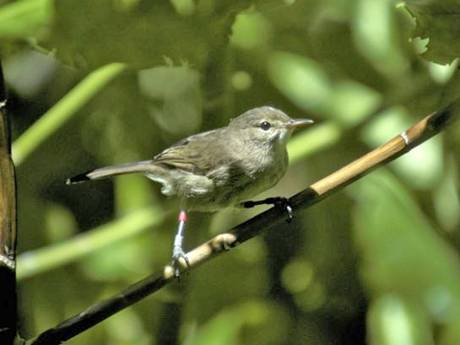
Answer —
60 223
305 82
446 198
376 36
21 19
46 258
301 79
393 321
313 140
172 92
397 120
440 22
63 111
251 30
402 254
91 33
226 326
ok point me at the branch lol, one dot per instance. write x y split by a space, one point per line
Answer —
417 134
8 297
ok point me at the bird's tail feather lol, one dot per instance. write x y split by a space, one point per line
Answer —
128 168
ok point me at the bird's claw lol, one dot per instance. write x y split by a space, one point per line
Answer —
178 253
279 202
284 205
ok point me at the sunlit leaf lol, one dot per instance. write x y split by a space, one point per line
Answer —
301 79
228 325
376 36
393 321
60 223
428 155
250 30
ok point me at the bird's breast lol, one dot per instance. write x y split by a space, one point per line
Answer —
264 169
240 179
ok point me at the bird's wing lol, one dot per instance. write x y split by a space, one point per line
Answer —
197 154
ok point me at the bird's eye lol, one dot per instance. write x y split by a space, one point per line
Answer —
265 125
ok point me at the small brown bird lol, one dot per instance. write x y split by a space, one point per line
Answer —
219 168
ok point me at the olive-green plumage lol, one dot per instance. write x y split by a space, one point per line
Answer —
222 167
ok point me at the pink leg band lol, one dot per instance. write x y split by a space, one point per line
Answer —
182 216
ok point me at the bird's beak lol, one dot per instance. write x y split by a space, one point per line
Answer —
298 123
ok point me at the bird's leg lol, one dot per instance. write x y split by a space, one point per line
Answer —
280 202
178 252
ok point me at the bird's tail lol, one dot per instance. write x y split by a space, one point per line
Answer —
128 168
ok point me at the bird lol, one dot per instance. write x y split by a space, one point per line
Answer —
220 168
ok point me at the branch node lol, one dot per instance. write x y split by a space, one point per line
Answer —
405 137
224 242
168 272
11 264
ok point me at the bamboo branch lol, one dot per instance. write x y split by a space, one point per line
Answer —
417 134
8 297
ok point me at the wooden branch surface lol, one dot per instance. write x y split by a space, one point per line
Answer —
420 132
8 297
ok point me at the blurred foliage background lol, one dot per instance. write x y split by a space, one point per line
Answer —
100 82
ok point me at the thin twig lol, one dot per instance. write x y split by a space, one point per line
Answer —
420 132
8 296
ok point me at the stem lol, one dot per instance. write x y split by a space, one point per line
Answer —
8 295
37 261
63 110
420 132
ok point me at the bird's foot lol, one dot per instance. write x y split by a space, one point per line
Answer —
178 254
279 202
284 205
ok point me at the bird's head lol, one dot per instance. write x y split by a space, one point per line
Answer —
267 125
